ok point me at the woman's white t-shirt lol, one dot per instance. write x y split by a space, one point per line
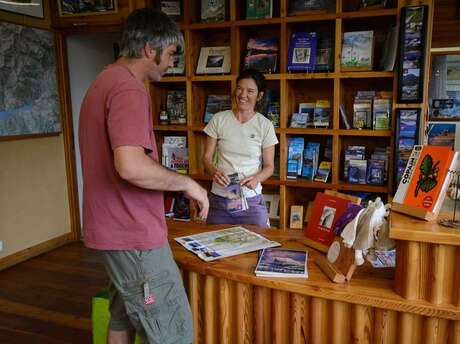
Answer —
240 145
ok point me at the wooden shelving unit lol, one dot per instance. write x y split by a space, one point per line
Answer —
336 86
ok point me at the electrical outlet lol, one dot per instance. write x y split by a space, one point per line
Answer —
1 245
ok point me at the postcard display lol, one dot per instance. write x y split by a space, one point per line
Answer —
412 53
310 94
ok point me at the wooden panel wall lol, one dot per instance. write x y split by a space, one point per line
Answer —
446 26
233 312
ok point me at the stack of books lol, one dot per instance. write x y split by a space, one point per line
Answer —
312 115
372 110
358 170
281 262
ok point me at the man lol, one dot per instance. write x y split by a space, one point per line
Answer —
123 211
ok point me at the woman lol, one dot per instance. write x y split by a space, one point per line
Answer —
245 142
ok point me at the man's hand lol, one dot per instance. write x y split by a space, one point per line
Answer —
250 182
221 178
200 195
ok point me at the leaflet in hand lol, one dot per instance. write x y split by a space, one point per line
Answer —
236 201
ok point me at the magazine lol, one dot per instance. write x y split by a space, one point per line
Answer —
223 243
281 262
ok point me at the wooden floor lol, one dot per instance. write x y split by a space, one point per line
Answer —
48 299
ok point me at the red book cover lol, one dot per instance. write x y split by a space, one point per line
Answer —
326 211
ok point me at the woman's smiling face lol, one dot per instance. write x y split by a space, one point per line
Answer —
247 94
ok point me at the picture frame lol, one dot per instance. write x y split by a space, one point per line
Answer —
172 8
214 60
272 202
34 8
407 134
75 8
412 46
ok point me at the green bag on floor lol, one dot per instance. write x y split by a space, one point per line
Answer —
100 317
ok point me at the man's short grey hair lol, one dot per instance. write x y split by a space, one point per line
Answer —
150 26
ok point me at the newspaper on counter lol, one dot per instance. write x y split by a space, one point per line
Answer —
223 243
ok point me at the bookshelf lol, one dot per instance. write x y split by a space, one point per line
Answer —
336 86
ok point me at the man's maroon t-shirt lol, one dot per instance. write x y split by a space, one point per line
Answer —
117 215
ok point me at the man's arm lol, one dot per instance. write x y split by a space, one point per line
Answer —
134 166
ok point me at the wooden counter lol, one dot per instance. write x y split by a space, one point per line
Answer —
231 305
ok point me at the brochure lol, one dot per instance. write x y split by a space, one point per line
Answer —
223 243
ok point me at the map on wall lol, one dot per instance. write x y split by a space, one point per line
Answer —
29 102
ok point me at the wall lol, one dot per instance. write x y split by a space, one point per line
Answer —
34 207
446 26
87 56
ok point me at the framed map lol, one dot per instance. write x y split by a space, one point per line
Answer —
29 102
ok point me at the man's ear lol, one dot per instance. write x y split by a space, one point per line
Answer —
148 52
260 96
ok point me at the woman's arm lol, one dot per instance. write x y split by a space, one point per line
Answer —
217 175
268 156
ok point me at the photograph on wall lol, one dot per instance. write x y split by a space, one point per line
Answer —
412 54
29 102
444 91
441 134
69 8
31 8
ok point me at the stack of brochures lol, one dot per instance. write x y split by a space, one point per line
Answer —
280 262
225 243
236 201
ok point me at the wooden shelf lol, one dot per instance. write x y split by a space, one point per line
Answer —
303 183
262 21
217 77
179 78
308 131
170 127
369 74
407 228
311 17
357 132
313 75
363 187
369 13
206 26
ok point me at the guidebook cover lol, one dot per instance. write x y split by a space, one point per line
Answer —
281 262
224 243
262 54
302 51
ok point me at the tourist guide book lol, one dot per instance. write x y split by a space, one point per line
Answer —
357 50
212 10
223 243
262 54
302 52
282 262
425 180
256 9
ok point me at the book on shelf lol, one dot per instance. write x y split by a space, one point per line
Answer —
376 172
271 108
214 60
424 182
176 107
262 54
299 120
310 160
181 207
175 153
327 209
213 10
357 50
172 9
381 114
309 109
282 262
295 154
324 52
169 205
227 242
322 114
352 152
323 172
305 7
179 65
296 218
256 9
272 202
302 51
292 167
216 103
357 171
362 109
442 134
344 116
328 149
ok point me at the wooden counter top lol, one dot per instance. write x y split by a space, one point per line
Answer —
409 228
369 286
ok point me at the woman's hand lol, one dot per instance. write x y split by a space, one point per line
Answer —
221 178
250 182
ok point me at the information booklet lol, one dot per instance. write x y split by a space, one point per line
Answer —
281 262
223 243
